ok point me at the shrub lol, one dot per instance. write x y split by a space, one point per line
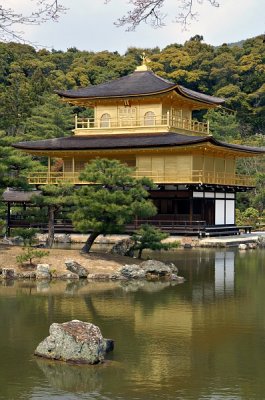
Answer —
29 254
248 217
149 237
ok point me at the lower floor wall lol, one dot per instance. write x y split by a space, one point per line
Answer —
212 208
179 208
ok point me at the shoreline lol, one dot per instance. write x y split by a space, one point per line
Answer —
104 265
96 263
70 265
193 240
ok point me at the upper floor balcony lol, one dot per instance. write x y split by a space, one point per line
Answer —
149 123
159 177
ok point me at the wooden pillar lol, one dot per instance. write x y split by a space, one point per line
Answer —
8 219
208 127
76 121
49 170
73 169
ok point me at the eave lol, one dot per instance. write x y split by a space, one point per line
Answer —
204 148
90 101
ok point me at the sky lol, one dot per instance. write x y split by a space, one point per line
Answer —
89 25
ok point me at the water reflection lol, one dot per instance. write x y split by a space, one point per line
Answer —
71 378
73 287
203 339
221 278
224 269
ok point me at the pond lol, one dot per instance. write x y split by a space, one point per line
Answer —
204 339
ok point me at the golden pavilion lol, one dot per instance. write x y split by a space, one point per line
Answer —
147 122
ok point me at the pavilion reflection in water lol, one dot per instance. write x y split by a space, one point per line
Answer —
224 273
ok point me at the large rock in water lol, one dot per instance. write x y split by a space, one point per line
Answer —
75 341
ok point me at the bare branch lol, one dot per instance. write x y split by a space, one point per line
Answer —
44 10
187 14
149 11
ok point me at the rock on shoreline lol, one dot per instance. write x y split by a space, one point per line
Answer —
150 270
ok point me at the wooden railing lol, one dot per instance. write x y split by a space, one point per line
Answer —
53 178
159 177
170 225
197 176
152 122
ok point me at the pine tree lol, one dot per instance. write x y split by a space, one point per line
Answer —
149 237
111 200
50 119
14 167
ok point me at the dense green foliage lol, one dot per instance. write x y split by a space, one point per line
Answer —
113 201
29 109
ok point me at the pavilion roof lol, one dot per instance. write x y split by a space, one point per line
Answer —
139 83
127 141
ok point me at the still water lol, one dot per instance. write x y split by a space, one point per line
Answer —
204 339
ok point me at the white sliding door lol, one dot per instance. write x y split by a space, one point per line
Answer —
219 212
230 212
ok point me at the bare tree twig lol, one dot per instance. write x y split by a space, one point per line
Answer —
44 10
150 12
187 14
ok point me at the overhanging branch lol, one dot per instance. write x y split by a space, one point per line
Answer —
44 10
150 12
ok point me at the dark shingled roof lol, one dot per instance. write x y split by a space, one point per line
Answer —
142 83
132 141
12 195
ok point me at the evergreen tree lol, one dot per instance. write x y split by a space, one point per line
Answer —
50 119
111 200
224 126
14 167
15 100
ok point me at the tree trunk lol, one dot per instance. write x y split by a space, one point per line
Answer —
90 240
140 253
50 238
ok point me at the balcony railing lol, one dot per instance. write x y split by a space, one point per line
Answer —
157 121
159 177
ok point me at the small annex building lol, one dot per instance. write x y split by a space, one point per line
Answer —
147 122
